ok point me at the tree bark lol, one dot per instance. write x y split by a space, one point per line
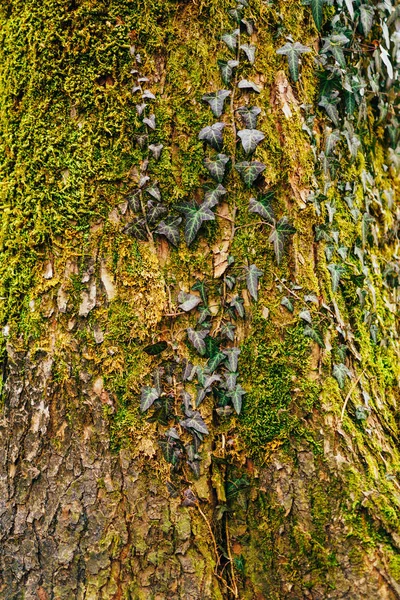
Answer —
298 496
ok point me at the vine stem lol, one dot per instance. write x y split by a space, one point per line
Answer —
351 390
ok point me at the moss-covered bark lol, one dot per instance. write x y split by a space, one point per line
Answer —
298 497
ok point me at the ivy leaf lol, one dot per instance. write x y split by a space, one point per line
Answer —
249 171
250 52
155 211
340 372
140 108
329 104
148 396
249 115
250 139
200 287
316 9
155 349
230 39
314 335
366 18
226 67
215 361
236 13
228 331
216 101
150 121
137 229
212 134
252 276
279 234
189 371
170 229
236 397
204 314
154 191
232 355
148 95
244 84
287 303
217 167
365 226
262 207
248 25
334 44
195 216
336 272
212 197
331 141
188 301
237 304
293 51
195 422
350 102
155 149
230 381
305 315
197 339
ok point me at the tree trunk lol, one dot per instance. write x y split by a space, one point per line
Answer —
296 493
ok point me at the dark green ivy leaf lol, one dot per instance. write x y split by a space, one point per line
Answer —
232 355
287 303
217 166
279 234
236 13
336 272
215 361
216 100
293 51
197 339
228 331
250 139
252 276
137 229
340 372
154 191
212 197
154 349
249 115
148 396
316 9
314 334
200 287
227 67
261 207
249 171
154 211
236 397
212 134
170 229
330 106
195 216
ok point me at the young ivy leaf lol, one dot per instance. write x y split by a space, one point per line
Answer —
329 104
150 121
217 167
215 361
155 211
316 9
194 421
236 13
279 235
156 149
293 51
249 171
226 67
197 339
148 396
250 139
244 84
237 304
170 229
248 26
314 335
252 276
250 52
232 355
188 301
212 134
216 100
262 207
195 216
137 229
212 197
230 381
340 372
287 303
305 315
249 115
154 191
228 331
336 272
230 39
236 398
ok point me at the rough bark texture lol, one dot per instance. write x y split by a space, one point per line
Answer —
309 499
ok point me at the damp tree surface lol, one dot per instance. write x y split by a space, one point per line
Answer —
200 300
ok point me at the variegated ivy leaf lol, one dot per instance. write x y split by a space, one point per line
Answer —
189 371
212 134
236 13
329 104
154 191
194 421
228 331
226 67
137 229
367 18
215 361
249 171
154 211
212 197
230 381
334 44
305 315
155 149
342 251
253 274
287 303
150 121
314 334
230 39
244 84
250 52
188 301
236 397
250 139
262 207
331 141
148 396
170 229
197 339
336 272
340 372
249 115
248 25
195 216
232 355
237 304
216 100
293 51
204 314
279 234
217 166
140 108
